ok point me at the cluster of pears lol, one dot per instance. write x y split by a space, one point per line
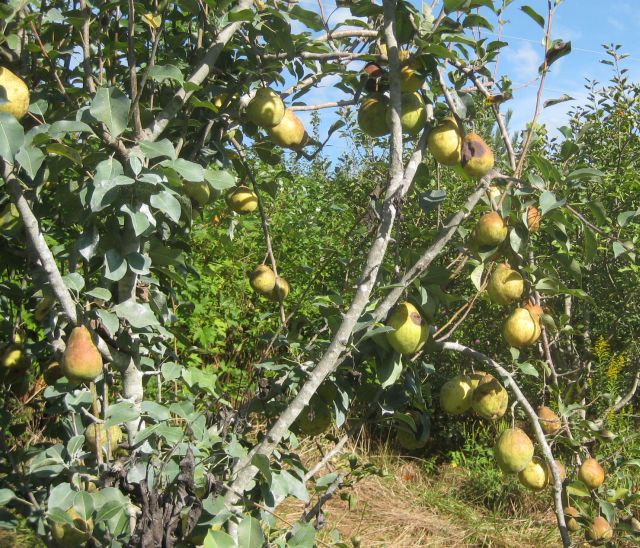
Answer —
14 94
264 282
267 110
81 361
478 391
522 328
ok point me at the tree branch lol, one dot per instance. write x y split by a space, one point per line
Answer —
534 422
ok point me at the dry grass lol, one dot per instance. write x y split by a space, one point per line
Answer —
409 508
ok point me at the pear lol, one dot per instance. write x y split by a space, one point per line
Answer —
66 535
456 395
52 373
372 115
477 158
591 473
476 377
410 439
81 360
314 419
505 285
13 359
266 109
14 94
521 329
414 115
445 142
490 399
95 433
280 290
549 421
490 230
290 132
533 218
513 451
242 200
262 280
199 191
599 532
410 330
570 515
561 470
534 475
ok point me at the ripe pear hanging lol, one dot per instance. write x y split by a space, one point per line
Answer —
81 360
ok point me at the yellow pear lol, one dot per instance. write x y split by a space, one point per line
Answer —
414 115
513 451
599 532
199 191
570 515
66 535
95 433
81 360
505 285
521 329
266 109
456 395
242 200
14 94
410 330
490 399
262 280
549 421
314 419
477 158
280 290
591 473
534 475
445 142
290 132
372 115
490 230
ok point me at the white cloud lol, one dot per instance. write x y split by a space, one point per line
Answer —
525 61
615 23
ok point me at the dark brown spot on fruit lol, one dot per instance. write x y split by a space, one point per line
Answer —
473 149
416 318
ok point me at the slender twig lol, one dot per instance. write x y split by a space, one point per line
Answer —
330 104
131 62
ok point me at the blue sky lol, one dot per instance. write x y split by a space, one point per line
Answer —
586 23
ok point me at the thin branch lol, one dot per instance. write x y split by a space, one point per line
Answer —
533 421
330 104
263 220
244 470
131 62
160 123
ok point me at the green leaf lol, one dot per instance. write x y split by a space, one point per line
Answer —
62 127
625 217
6 495
476 21
429 201
578 489
390 370
562 99
139 263
528 369
590 245
303 535
261 462
30 159
189 170
548 202
154 149
585 173
11 136
250 533
108 510
58 149
83 504
168 204
100 293
240 15
171 371
109 320
557 50
74 281
618 249
476 276
115 267
139 315
156 411
219 179
111 107
139 220
534 15
120 412
309 18
218 539
454 5
87 243
160 73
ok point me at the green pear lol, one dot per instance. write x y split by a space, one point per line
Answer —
521 329
372 115
445 142
242 200
266 109
491 230
66 535
199 191
290 132
456 395
262 280
414 115
490 399
513 451
14 94
505 285
410 330
534 475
